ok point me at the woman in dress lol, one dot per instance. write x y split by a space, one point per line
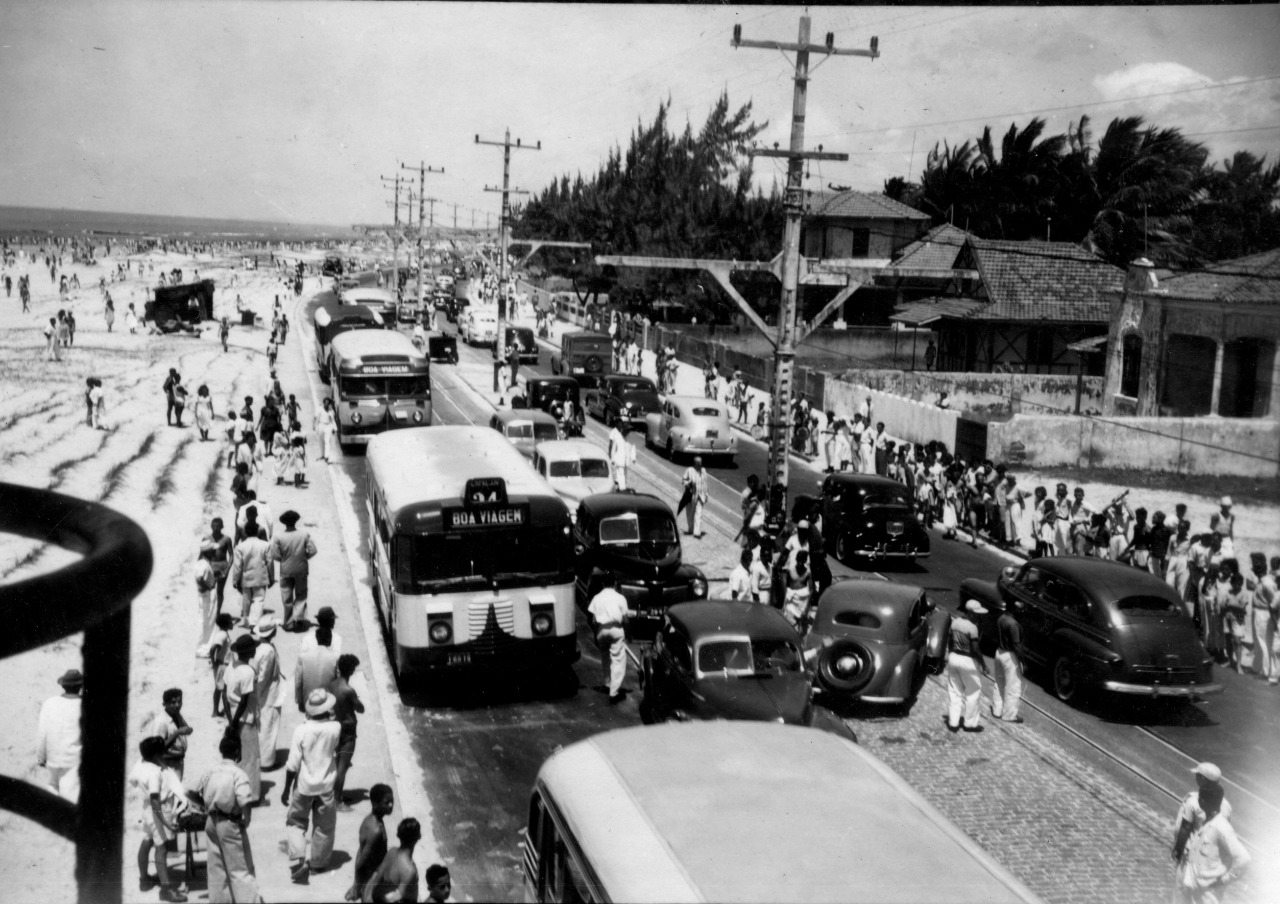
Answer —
131 319
203 409
326 427
109 313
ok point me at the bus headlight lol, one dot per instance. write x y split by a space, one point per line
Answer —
356 417
699 588
417 417
441 631
542 624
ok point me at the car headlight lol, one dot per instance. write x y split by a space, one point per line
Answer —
356 417
441 632
628 406
542 623
699 587
417 417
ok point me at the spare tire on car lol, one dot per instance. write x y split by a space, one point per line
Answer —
846 667
594 364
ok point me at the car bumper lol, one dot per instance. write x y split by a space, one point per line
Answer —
517 655
1162 690
882 552
710 446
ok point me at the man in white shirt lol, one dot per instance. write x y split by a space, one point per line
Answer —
310 773
609 611
695 479
621 455
58 742
740 578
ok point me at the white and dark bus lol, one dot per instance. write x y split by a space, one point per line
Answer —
471 553
380 381
332 319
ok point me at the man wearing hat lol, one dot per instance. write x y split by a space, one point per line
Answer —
293 549
325 618
310 774
1201 806
228 800
270 689
58 743
965 668
242 703
1226 527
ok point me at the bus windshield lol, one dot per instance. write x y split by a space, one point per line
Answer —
378 387
539 555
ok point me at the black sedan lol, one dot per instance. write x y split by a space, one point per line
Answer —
1099 625
870 517
634 535
621 398
726 660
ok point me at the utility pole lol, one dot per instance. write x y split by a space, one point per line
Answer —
395 239
455 214
423 169
507 191
788 311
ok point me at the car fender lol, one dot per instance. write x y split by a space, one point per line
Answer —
653 427
1081 648
935 645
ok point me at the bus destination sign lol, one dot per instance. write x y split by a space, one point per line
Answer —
485 490
384 369
481 517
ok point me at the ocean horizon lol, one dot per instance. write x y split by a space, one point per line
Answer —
16 220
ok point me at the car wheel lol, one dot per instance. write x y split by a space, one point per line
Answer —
842 548
1065 685
593 364
671 449
846 667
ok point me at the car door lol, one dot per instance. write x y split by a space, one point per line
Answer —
676 687
832 513
1037 615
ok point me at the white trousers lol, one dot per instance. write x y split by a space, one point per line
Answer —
964 691
693 513
65 781
1008 695
613 658
268 731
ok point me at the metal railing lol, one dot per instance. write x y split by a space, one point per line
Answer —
92 595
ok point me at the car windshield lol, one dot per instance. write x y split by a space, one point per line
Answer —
886 497
1149 604
623 386
743 656
520 430
630 529
544 432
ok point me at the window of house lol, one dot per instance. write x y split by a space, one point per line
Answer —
1131 365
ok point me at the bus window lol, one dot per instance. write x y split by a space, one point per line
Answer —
402 562
575 890
409 386
363 387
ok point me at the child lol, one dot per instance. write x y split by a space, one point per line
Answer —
950 514
298 455
218 653
179 402
162 800
373 839
1235 624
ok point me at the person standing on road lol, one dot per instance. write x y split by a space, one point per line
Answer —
292 549
373 839
317 667
162 799
270 690
326 428
251 572
325 618
347 704
621 454
308 787
243 709
740 578
965 669
1008 696
1203 832
58 737
608 611
396 878
228 800
219 546
695 488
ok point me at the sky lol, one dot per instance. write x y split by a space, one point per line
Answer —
294 111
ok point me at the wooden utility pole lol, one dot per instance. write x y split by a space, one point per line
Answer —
395 238
423 169
788 311
507 191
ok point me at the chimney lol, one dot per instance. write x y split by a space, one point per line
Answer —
1141 276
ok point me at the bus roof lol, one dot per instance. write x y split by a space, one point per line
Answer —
359 343
433 464
368 295
332 311
733 811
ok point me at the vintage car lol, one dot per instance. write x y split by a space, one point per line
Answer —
479 326
442 347
381 300
525 342
871 517
587 357
726 660
524 428
876 640
549 394
1093 624
625 399
575 468
691 425
634 535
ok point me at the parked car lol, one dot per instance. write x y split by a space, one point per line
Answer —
550 394
621 398
575 468
877 640
525 342
479 326
726 660
691 425
525 429
634 535
871 517
1094 624
587 357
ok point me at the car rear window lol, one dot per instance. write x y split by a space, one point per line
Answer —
595 467
1150 604
544 432
857 619
565 469
707 411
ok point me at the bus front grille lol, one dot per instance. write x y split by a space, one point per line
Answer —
491 625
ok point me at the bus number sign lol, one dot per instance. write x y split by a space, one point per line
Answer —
479 517
485 491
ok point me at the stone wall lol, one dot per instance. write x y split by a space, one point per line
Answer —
1206 445
988 396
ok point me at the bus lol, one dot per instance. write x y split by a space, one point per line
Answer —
379 381
333 318
743 811
471 554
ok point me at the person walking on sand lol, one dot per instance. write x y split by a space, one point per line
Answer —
293 549
51 337
206 592
58 737
396 878
204 412
131 319
270 689
372 839
171 401
88 402
163 798
224 331
310 774
109 313
221 551
244 709
228 799
326 428
251 573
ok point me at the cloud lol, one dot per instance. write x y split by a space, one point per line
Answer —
1148 78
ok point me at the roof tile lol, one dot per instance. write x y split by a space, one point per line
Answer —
860 205
1255 279
1051 281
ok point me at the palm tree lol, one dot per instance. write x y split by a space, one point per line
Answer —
1020 183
